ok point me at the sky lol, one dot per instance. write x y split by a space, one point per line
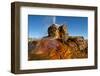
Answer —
38 25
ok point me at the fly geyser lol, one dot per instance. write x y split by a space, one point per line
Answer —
58 45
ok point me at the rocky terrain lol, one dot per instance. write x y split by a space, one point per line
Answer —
58 45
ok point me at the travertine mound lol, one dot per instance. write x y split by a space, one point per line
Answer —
58 45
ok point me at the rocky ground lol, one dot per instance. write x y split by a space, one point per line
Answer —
48 48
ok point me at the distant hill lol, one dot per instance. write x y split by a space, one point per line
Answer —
33 39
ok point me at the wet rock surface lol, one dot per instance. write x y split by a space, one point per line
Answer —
49 48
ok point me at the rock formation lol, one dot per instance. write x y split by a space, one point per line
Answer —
58 45
53 31
63 33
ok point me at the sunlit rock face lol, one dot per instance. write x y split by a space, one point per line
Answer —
58 45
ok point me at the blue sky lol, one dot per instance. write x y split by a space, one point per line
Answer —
38 25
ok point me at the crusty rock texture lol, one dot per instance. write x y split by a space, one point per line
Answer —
58 45
63 33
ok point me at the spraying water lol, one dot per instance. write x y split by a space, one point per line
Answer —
54 20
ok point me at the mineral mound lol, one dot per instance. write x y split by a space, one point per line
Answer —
58 45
